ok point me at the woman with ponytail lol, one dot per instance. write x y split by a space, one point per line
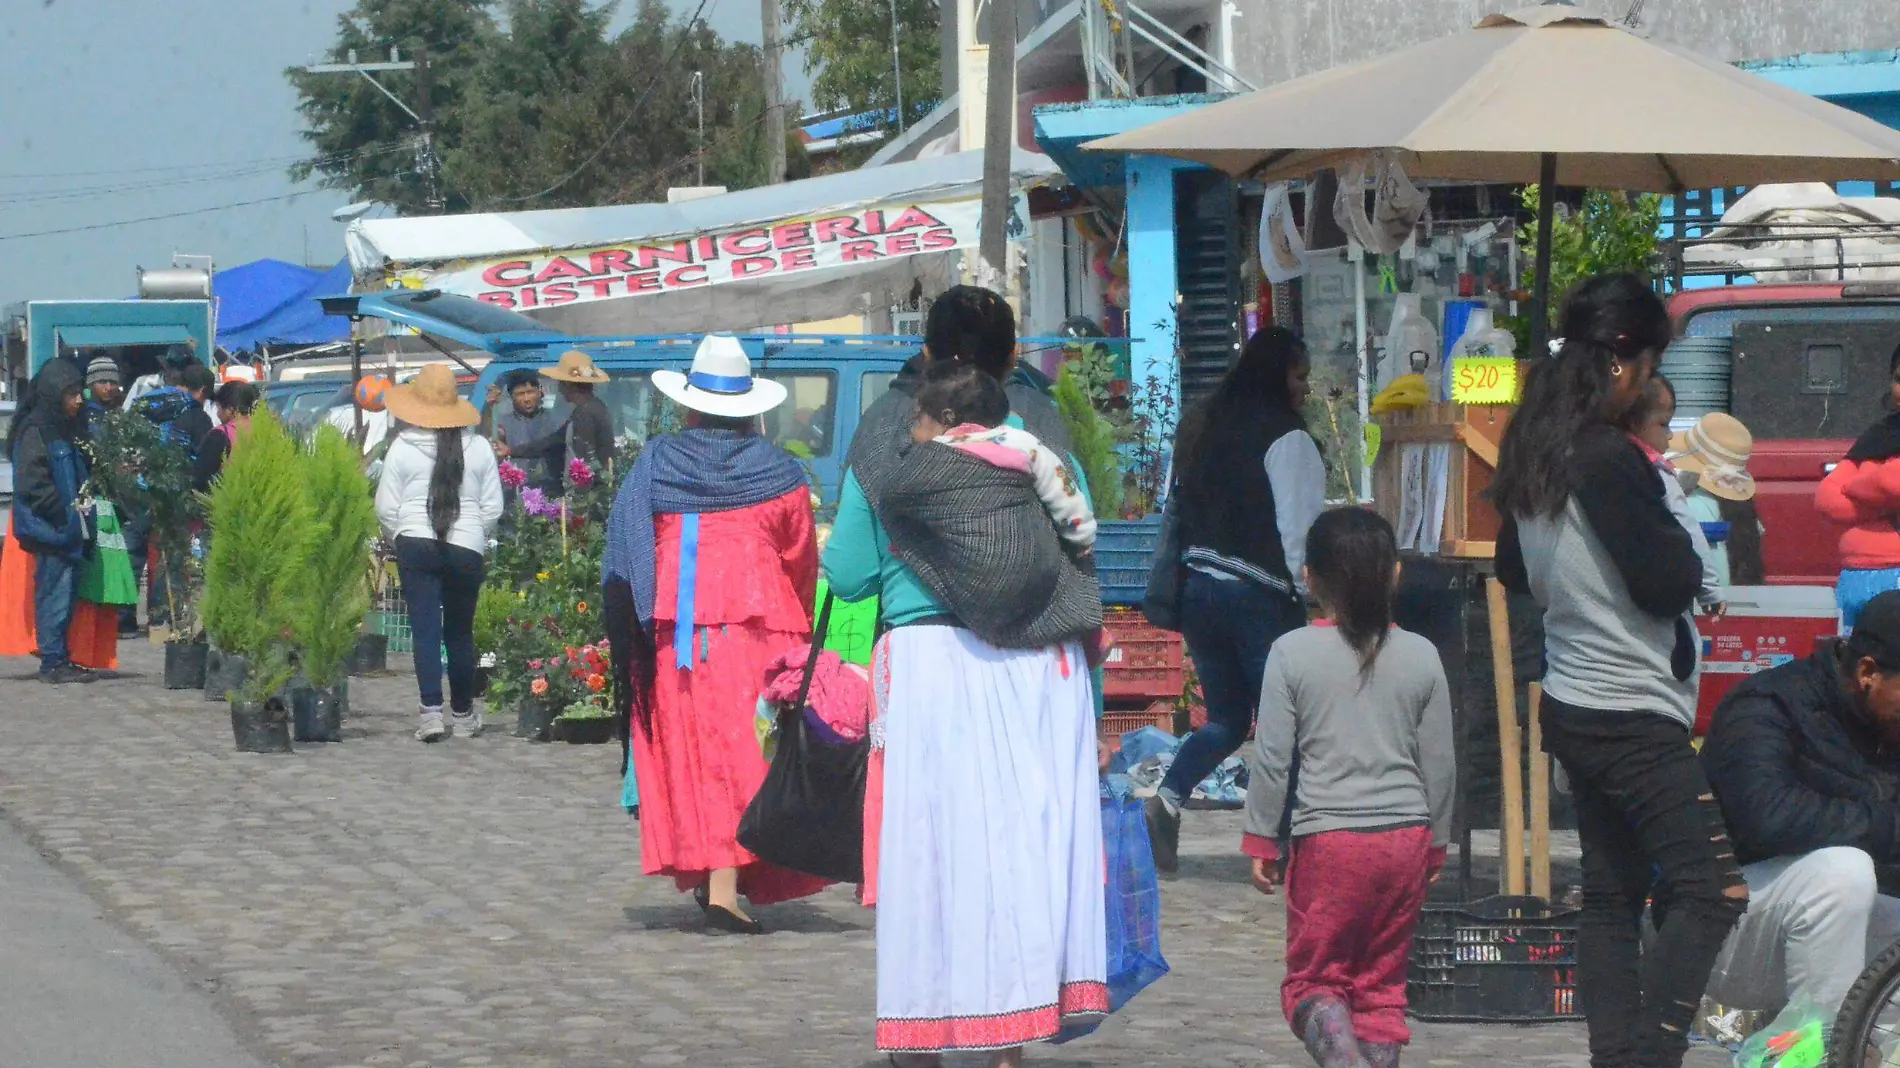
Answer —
439 500
1588 533
1364 708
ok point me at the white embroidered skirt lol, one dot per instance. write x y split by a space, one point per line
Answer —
990 930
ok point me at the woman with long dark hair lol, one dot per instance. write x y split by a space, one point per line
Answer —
1249 482
1588 533
439 500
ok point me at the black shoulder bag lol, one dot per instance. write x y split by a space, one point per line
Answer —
809 812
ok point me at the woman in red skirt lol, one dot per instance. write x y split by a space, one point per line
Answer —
712 561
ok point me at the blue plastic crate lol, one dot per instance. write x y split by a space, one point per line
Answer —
1124 554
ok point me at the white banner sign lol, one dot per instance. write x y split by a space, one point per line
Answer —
840 239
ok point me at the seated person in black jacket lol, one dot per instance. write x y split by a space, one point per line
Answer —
1805 761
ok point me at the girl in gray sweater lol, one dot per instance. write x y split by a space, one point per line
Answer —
1366 708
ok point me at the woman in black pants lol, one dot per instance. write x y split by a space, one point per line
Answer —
439 500
1587 532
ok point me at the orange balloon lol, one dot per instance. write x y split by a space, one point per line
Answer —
371 393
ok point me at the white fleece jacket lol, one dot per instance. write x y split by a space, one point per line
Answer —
402 494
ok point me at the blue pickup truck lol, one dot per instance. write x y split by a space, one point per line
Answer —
830 380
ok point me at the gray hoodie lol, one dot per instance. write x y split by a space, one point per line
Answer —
1375 750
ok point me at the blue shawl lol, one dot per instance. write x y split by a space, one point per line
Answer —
689 473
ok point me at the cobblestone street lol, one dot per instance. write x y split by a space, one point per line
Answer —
479 903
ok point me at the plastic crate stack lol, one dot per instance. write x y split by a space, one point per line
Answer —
1143 675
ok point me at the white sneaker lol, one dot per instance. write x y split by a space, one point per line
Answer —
431 728
467 724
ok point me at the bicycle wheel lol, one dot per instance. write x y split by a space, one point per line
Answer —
1870 1017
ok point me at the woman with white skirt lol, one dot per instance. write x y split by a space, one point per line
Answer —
990 924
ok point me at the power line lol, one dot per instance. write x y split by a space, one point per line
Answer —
156 218
47 196
627 120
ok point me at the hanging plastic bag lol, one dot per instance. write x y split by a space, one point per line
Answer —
1398 205
1282 248
1131 906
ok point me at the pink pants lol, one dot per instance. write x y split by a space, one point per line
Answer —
1352 902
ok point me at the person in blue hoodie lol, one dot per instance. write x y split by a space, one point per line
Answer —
48 469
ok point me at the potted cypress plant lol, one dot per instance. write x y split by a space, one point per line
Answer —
261 537
334 594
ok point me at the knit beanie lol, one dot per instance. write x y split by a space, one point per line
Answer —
102 369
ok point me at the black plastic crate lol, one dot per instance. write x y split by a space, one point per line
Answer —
1502 959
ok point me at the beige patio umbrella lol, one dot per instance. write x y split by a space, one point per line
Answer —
1547 94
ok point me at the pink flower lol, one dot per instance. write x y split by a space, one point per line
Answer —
536 664
579 473
535 502
538 687
513 477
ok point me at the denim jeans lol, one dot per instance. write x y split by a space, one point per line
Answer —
441 583
1229 624
1643 807
55 588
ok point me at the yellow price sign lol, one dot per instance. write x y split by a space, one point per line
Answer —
1374 435
1484 380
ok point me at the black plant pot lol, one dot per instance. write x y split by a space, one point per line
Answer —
316 712
533 718
224 674
592 731
261 727
185 665
371 654
483 676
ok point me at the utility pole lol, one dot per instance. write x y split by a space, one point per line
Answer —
423 114
998 140
774 92
699 102
897 70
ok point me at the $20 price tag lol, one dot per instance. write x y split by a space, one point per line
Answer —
1484 380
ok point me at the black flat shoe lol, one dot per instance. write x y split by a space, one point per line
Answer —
720 918
703 898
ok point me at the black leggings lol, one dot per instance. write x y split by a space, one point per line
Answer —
1643 808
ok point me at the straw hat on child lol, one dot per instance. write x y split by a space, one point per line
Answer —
430 401
1717 448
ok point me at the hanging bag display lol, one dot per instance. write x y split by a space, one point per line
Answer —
809 812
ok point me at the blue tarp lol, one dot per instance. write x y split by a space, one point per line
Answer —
271 302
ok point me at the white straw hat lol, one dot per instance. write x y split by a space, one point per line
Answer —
720 382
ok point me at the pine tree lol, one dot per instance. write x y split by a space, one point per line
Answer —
335 593
261 537
1093 440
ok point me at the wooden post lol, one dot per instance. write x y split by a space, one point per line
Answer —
1510 743
1540 798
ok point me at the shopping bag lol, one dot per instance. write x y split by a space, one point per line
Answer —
106 577
809 812
1133 901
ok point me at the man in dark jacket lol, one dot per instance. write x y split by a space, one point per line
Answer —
590 426
1805 761
526 434
48 470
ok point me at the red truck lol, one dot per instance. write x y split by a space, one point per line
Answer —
1808 373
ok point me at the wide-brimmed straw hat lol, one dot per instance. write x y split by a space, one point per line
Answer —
720 382
429 401
1717 449
577 367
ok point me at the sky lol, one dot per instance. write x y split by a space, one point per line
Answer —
120 110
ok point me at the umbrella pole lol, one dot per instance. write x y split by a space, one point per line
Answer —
1540 288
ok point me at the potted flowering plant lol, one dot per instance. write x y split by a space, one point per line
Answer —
588 720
